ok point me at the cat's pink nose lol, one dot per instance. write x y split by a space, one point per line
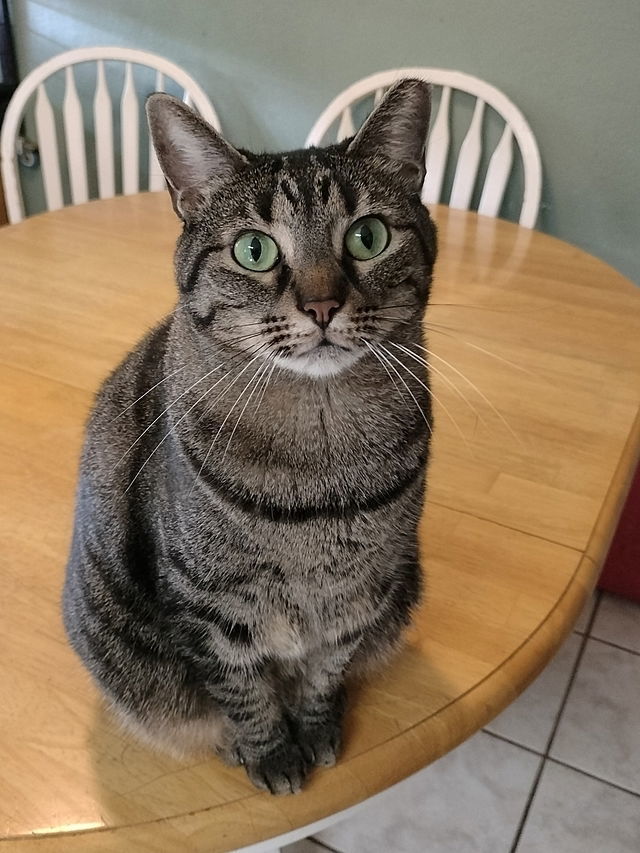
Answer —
323 312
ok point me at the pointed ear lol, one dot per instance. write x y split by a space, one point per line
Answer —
192 155
396 131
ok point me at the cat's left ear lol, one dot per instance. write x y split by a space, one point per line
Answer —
192 154
396 131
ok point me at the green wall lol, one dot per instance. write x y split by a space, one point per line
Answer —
573 68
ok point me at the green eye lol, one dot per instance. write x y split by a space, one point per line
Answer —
256 251
367 238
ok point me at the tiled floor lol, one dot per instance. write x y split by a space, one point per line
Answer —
557 772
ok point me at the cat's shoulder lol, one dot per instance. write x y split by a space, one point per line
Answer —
138 371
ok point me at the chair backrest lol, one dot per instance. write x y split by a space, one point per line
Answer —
167 76
341 112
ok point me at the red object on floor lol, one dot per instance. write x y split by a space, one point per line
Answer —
621 572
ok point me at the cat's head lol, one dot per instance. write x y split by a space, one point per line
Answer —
306 258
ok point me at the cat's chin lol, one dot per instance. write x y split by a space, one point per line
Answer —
321 362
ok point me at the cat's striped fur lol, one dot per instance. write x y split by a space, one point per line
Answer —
227 576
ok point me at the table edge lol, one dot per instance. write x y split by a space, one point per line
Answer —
402 755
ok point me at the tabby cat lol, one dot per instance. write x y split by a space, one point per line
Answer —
253 472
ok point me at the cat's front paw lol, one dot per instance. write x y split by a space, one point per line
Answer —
282 770
317 728
320 743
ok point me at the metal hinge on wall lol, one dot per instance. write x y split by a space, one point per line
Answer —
27 152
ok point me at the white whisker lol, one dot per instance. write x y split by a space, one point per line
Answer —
179 421
164 411
426 387
443 375
400 305
395 319
480 393
243 338
395 384
449 334
268 379
179 397
168 376
255 380
380 357
501 310
228 388
240 326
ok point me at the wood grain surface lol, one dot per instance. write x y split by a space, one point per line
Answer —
524 494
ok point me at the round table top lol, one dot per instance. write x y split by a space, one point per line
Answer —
524 493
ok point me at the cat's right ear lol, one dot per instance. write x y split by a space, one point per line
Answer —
395 132
192 155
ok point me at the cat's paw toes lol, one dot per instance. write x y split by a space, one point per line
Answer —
281 771
320 744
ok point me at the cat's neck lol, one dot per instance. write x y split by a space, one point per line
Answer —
285 410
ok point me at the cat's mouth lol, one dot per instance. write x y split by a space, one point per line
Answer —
325 358
325 342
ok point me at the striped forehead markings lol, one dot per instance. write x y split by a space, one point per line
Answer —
325 188
348 194
303 191
264 205
288 192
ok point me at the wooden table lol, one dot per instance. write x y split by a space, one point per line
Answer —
516 525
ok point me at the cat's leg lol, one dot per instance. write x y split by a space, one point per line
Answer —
319 699
384 635
263 739
320 696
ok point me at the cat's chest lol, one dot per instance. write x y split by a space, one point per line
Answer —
302 618
285 637
309 445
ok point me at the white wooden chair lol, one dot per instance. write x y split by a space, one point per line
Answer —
167 76
341 110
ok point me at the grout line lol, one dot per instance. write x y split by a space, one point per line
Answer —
615 645
574 670
513 743
565 698
528 804
594 777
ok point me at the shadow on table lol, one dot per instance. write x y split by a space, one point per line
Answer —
135 784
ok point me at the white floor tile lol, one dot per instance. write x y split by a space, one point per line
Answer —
529 720
599 730
470 801
618 621
572 813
